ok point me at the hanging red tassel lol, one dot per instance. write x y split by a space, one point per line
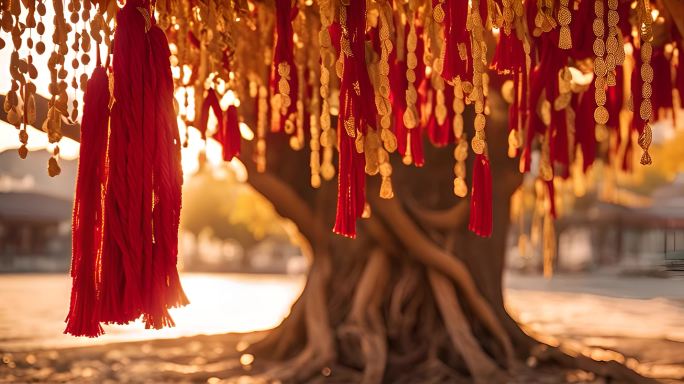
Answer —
509 56
481 199
441 135
585 125
124 212
142 204
284 75
228 127
662 79
166 291
457 41
357 110
230 134
210 102
82 319
679 74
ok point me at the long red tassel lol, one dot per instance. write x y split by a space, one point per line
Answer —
455 35
585 137
210 102
357 110
228 132
166 291
143 200
442 134
230 135
283 56
82 319
128 192
481 199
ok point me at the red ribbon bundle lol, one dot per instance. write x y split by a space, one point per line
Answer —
134 269
357 110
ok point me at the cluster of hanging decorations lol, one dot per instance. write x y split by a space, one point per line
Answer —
585 79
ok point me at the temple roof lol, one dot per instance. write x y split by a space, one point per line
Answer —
31 206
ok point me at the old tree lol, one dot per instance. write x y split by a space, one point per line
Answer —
441 103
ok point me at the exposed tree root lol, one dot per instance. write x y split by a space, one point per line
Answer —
408 312
481 367
427 252
365 322
320 350
282 339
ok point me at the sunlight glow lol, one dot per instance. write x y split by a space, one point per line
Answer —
228 99
38 141
246 132
580 78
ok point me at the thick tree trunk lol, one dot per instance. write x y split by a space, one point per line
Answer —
416 297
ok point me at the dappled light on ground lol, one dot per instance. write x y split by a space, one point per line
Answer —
645 332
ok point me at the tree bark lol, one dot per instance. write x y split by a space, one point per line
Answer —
415 297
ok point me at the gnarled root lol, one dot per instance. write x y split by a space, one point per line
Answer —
409 312
481 367
320 349
365 323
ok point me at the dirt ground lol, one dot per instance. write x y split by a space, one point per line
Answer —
642 320
215 359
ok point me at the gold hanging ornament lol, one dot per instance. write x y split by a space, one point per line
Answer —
262 123
410 117
564 19
480 78
601 69
377 156
328 135
382 92
314 119
461 150
646 73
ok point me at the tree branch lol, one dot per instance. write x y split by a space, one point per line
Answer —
288 204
